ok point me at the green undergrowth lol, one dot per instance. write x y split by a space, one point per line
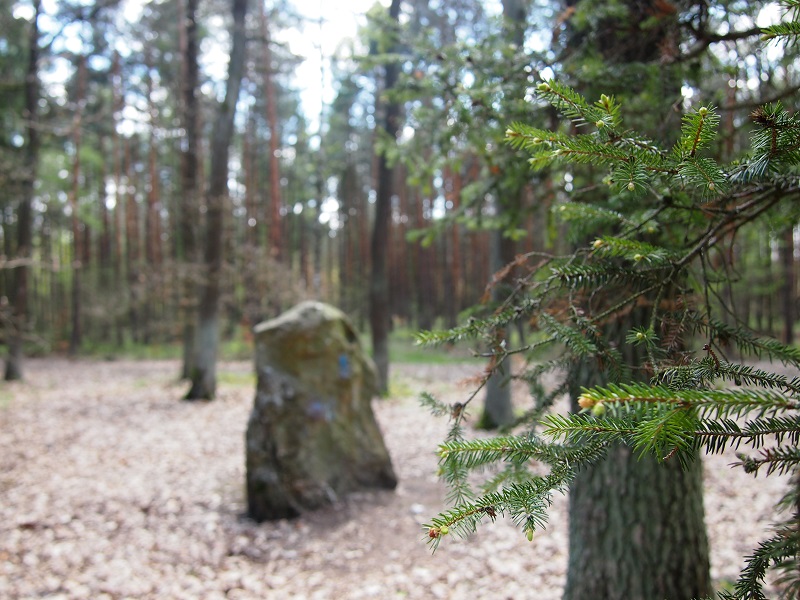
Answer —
237 378
402 349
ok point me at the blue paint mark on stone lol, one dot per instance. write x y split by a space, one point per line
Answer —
319 411
344 367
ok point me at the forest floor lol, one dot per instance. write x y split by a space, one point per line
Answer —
112 487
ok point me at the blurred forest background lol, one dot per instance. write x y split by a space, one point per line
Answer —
164 176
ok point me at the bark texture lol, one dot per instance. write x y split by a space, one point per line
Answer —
379 283
647 535
203 376
19 292
637 528
497 407
190 188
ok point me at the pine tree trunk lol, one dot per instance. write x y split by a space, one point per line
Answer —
19 291
348 192
76 331
379 283
190 187
457 290
104 247
787 292
636 529
248 253
636 526
646 537
132 245
118 215
276 202
203 376
399 283
424 260
497 407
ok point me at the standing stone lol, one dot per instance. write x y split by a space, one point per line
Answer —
312 435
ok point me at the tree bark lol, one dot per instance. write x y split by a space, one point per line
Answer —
424 259
457 285
497 408
132 244
76 332
636 526
190 188
203 376
379 283
19 292
647 538
118 215
248 255
275 199
788 285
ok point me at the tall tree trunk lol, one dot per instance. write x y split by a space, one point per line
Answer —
190 182
76 333
249 252
151 233
132 244
497 408
104 248
204 376
348 192
398 260
636 527
304 263
152 222
456 278
19 290
274 139
787 292
424 260
118 104
379 283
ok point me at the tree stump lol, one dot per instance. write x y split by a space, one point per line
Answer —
312 435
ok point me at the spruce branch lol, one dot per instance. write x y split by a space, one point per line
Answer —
779 461
782 547
525 502
744 340
717 435
650 273
707 402
698 131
